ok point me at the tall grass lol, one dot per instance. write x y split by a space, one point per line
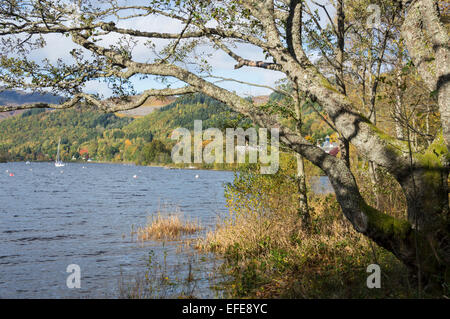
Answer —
167 227
159 281
169 274
177 271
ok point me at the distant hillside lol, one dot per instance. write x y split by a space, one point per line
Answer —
149 106
106 137
4 115
182 113
34 134
121 138
155 103
12 97
260 100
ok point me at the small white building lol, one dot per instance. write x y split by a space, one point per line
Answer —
327 146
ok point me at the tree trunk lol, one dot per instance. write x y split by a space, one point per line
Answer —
422 241
374 180
344 148
426 39
398 104
303 209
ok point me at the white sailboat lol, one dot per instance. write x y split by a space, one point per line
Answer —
58 162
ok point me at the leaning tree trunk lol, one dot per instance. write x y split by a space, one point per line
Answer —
421 241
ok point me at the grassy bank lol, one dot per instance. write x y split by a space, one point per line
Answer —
269 253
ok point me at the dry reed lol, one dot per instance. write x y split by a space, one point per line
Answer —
170 227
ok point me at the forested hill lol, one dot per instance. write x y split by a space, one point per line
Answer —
34 134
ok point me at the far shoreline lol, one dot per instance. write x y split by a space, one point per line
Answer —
166 166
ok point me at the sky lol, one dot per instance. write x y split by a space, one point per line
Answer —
58 46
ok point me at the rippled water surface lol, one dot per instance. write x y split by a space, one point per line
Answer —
83 214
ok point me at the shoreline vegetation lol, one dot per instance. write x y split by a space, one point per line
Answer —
166 166
269 252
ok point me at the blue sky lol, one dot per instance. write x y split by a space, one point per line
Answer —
58 46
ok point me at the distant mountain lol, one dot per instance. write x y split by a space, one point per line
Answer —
155 103
261 100
149 106
13 97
